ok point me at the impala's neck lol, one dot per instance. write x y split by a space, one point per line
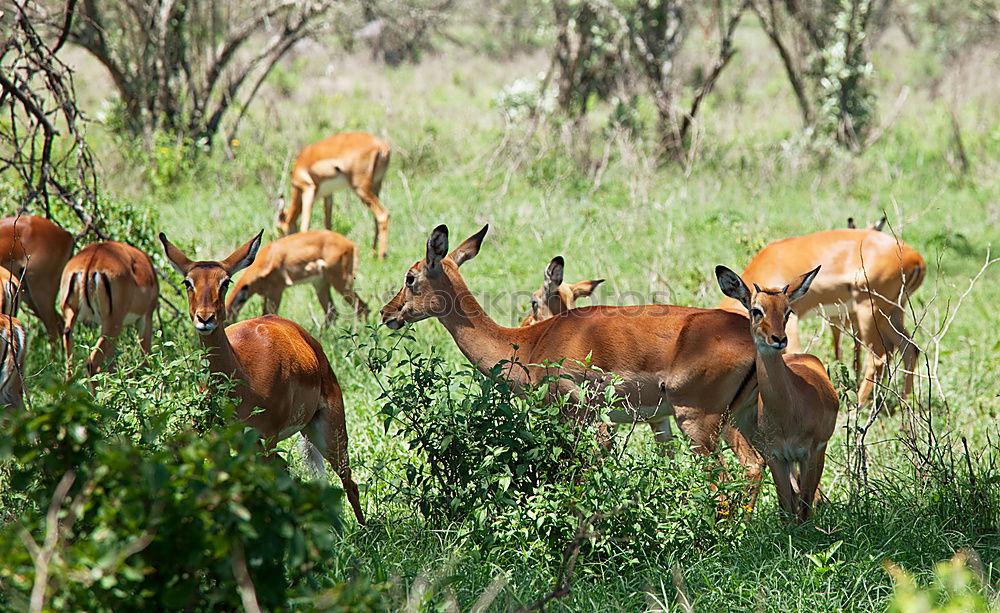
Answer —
774 380
221 358
483 341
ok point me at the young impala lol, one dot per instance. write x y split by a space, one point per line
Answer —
797 410
35 250
870 274
354 160
111 285
555 296
12 345
693 364
320 257
277 366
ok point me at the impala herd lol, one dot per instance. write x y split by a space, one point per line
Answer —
733 372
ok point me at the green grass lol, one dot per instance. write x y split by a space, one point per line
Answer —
654 234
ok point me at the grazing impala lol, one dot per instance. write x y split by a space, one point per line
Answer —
35 250
354 160
555 296
869 273
694 364
797 410
12 345
112 285
10 289
277 366
320 257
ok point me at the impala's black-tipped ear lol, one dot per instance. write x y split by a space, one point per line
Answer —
177 259
469 247
582 289
798 288
553 276
878 225
437 247
850 223
243 256
732 285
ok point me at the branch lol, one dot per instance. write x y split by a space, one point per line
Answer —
794 78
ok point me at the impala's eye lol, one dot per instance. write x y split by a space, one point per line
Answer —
410 279
756 312
189 285
224 285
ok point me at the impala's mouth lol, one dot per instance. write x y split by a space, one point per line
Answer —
393 323
205 328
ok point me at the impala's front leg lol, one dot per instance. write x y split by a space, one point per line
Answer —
781 472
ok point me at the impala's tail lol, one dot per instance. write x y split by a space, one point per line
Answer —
313 456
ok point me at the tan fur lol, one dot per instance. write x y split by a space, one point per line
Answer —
555 296
112 285
866 272
354 160
321 257
279 367
12 348
10 291
686 362
797 408
35 250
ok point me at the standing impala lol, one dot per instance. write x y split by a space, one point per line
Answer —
320 257
112 285
12 345
869 273
35 250
354 160
555 296
277 366
694 364
797 411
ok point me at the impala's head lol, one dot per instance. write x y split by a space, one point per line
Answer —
428 289
555 296
769 308
207 282
877 226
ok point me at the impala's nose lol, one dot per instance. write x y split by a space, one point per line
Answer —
205 324
779 342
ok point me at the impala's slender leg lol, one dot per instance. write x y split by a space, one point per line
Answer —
328 211
146 333
835 333
272 302
903 341
322 287
40 297
812 470
69 318
308 195
781 472
748 457
869 330
329 435
345 287
105 346
380 243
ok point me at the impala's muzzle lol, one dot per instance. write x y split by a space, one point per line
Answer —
205 323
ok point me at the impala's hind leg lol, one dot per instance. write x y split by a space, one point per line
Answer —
328 434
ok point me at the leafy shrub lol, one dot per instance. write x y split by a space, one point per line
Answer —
515 473
154 517
955 588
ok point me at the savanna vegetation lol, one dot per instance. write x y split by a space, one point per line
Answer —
645 142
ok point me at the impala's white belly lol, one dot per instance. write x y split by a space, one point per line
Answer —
329 186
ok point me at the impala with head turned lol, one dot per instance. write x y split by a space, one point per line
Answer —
692 364
354 160
111 285
276 364
797 408
556 297
35 251
868 274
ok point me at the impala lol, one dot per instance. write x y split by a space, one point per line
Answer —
12 345
555 296
277 366
10 289
870 274
693 364
797 409
112 285
35 250
320 257
354 160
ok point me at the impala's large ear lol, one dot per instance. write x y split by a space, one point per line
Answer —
582 289
798 288
732 285
242 257
178 260
553 276
878 225
437 248
469 247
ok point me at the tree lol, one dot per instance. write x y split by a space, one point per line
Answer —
181 66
